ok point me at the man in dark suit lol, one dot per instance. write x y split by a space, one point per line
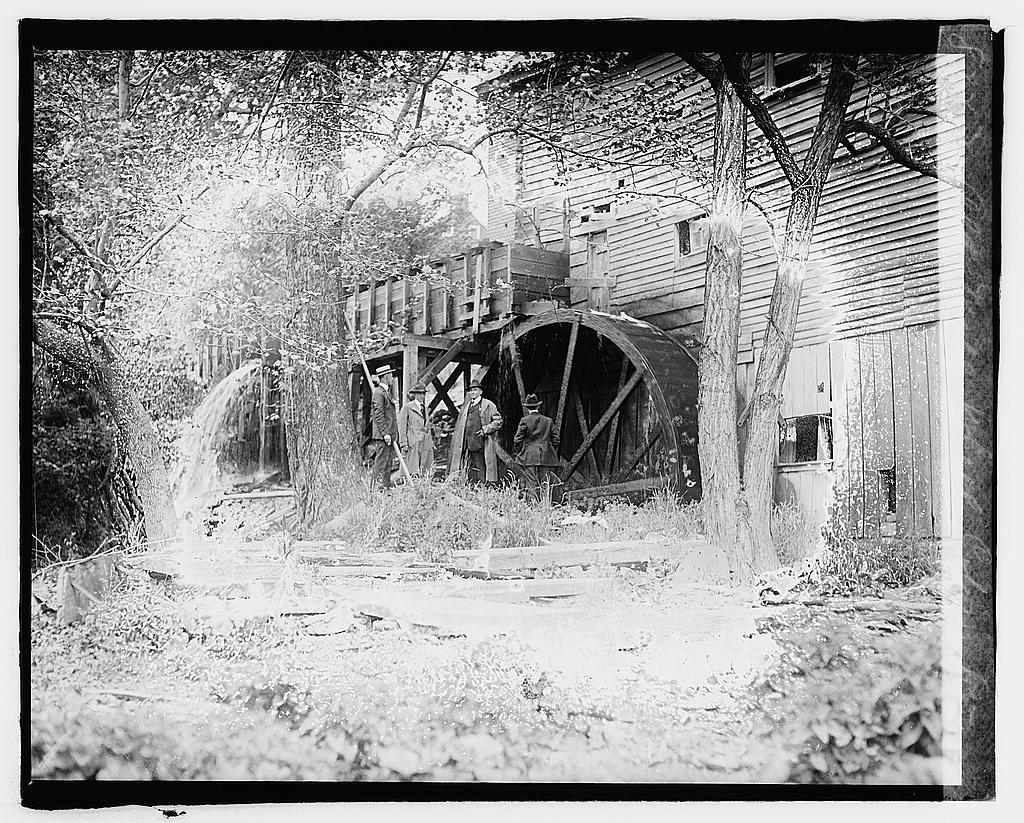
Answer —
536 447
385 427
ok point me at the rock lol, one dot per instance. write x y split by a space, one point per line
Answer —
478 747
384 625
400 761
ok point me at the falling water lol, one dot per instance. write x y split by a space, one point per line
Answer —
198 478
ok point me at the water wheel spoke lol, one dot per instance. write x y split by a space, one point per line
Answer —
566 373
581 416
638 456
591 438
613 430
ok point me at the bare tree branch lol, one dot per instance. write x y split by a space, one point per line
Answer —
766 123
710 70
80 247
897 151
829 128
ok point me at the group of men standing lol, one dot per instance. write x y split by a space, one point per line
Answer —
474 449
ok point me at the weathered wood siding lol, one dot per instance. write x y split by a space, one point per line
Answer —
898 406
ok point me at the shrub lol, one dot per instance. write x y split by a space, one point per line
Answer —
845 711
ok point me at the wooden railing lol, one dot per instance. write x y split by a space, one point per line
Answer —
484 285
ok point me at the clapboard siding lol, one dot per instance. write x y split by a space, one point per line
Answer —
877 220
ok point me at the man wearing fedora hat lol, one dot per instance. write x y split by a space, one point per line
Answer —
536 448
414 433
385 427
474 454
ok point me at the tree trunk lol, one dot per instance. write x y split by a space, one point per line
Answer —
124 89
99 365
322 456
762 435
726 521
766 403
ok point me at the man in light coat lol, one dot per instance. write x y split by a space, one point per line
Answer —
385 427
474 454
415 435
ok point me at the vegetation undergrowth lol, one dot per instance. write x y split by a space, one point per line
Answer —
434 519
847 705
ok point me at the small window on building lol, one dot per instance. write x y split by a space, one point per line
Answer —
806 439
782 71
691 236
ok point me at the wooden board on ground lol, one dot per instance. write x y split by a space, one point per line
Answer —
615 553
267 495
377 571
456 614
514 591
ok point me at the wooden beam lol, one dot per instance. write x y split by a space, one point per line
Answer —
615 553
524 589
613 431
434 369
518 373
631 487
410 368
566 373
477 291
639 455
588 442
444 396
581 416
426 306
447 385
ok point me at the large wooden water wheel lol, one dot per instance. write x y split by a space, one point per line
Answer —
622 393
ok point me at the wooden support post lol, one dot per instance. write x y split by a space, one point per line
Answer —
477 290
426 307
486 279
581 417
588 441
446 295
613 431
388 285
410 367
566 373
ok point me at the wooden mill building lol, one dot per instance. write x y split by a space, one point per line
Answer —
589 292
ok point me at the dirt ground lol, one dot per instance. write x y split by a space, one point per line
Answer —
635 680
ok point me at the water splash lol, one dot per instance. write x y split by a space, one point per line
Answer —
198 479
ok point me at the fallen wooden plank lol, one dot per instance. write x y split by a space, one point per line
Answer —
566 554
630 487
527 588
453 613
259 495
377 571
